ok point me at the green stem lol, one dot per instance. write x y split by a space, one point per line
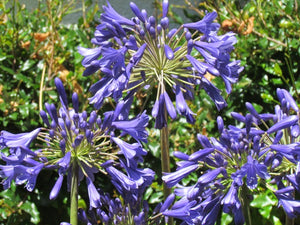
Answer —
289 221
246 204
74 195
165 158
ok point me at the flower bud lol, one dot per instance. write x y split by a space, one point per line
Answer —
137 11
164 23
44 118
61 91
169 52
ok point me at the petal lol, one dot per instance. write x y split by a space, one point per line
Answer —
56 188
169 52
282 124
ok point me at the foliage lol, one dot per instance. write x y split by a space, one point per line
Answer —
268 45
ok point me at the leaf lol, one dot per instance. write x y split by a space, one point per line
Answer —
276 220
265 212
226 219
154 148
262 200
156 198
277 69
8 70
23 78
267 97
148 193
27 65
31 209
13 116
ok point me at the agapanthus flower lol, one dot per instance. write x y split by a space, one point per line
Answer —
144 54
242 160
115 211
74 139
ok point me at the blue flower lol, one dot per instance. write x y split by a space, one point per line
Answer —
135 127
150 58
206 25
10 140
252 168
72 137
172 179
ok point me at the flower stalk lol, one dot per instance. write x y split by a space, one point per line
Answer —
288 220
165 155
74 195
245 201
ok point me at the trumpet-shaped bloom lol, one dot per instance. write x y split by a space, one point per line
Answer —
73 137
240 160
143 54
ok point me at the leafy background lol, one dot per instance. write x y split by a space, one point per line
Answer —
35 47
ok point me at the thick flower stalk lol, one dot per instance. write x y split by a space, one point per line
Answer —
79 145
143 54
262 155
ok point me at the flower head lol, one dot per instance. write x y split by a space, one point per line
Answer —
77 138
266 149
143 54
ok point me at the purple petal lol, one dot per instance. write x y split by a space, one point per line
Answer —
164 22
169 52
94 195
165 8
18 140
285 123
137 11
110 14
56 188
169 105
172 179
135 127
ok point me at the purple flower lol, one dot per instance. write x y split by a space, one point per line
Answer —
10 140
27 175
132 152
172 179
136 64
205 25
94 196
56 188
252 168
135 127
214 93
284 123
82 138
110 14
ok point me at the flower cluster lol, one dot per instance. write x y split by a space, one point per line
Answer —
143 54
264 153
81 144
114 211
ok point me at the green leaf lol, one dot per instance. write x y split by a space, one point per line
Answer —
27 65
156 197
23 78
148 193
265 211
31 209
262 200
8 70
226 219
13 116
277 69
154 148
267 97
276 220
